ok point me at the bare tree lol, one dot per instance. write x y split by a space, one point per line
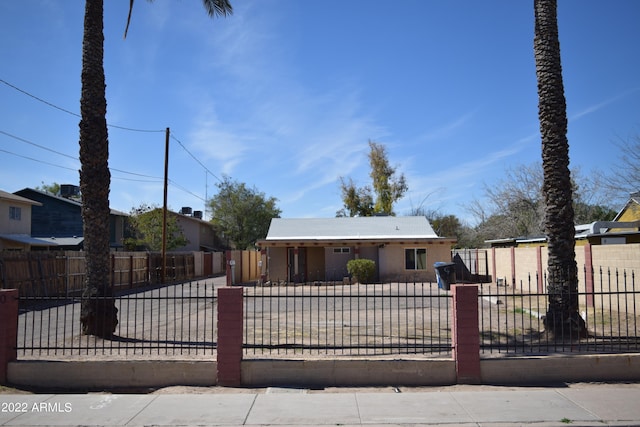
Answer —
625 177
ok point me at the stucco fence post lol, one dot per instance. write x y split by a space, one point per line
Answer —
8 330
230 329
466 334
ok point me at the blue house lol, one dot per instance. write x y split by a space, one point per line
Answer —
58 219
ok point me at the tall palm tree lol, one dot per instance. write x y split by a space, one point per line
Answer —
562 318
99 313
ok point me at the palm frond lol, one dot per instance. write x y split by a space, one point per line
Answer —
218 7
126 29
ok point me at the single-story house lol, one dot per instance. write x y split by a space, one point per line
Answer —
318 249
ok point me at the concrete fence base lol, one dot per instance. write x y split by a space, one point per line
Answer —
101 375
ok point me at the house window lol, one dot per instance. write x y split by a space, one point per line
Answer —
341 250
415 259
15 213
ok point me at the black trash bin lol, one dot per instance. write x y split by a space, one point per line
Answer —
445 274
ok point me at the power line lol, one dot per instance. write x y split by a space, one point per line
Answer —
39 99
37 145
52 105
185 190
38 161
26 141
194 157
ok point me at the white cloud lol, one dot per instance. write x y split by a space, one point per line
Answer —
600 105
212 140
448 128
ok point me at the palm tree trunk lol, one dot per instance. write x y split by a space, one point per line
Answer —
562 318
99 314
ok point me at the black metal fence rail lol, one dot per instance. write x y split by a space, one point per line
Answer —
169 321
352 320
513 322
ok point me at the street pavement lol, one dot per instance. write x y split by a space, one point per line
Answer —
592 405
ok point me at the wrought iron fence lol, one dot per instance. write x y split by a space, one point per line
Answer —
170 321
512 322
333 318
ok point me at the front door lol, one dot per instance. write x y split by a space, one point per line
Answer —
297 270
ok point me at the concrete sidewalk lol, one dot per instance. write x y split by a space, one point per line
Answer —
553 406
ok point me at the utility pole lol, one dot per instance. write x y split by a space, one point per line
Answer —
163 273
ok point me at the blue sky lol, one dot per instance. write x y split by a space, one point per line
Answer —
284 95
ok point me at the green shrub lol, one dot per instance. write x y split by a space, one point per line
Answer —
364 270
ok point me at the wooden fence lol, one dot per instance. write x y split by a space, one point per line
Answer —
243 266
63 273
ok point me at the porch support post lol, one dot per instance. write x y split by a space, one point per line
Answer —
230 328
296 270
8 330
466 334
264 257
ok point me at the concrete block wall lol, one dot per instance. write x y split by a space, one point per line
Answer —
526 266
622 257
515 264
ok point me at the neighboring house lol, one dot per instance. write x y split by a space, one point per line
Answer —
58 220
202 235
625 228
15 223
318 249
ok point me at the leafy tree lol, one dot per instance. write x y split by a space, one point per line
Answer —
357 201
53 188
241 213
145 224
446 225
562 317
387 186
99 313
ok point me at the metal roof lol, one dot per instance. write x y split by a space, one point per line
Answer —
351 228
15 198
25 239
